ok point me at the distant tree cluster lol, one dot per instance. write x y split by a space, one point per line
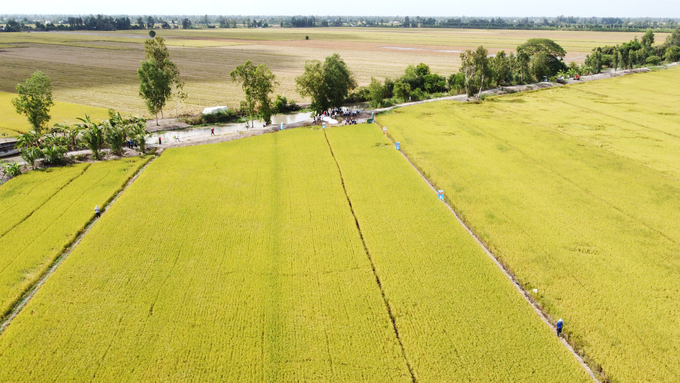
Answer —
90 23
535 60
303 22
636 53
100 22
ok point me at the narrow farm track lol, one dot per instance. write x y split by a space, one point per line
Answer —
390 311
505 271
30 292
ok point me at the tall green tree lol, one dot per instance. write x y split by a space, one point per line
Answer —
155 48
500 66
648 39
402 90
476 69
35 100
258 84
376 93
328 84
674 38
616 58
155 86
545 57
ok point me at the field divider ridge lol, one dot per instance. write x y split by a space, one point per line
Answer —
390 312
544 316
46 201
9 316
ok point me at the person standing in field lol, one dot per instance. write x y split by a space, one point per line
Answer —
96 211
560 324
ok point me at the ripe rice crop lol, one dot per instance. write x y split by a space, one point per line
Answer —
577 190
21 196
228 262
43 222
242 261
459 317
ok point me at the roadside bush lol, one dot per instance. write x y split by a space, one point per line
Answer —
54 154
672 54
434 83
31 154
653 60
457 82
418 95
11 170
376 93
282 105
402 90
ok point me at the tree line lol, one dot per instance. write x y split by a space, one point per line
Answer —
636 53
535 23
96 23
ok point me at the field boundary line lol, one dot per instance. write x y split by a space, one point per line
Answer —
390 313
502 267
9 316
46 201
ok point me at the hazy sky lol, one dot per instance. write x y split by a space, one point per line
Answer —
586 8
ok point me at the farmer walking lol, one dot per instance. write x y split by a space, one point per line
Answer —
559 326
96 211
212 131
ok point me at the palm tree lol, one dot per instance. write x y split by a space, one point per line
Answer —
31 154
93 138
28 140
115 137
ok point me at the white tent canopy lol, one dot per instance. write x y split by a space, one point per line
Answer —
215 109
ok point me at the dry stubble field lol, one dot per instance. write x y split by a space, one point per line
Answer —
99 69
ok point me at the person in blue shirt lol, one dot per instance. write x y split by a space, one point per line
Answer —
559 326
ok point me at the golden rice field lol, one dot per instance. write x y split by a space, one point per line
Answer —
12 123
577 190
42 213
255 270
459 317
99 68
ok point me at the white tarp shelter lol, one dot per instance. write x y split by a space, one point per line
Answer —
215 109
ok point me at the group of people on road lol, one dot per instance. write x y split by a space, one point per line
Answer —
338 112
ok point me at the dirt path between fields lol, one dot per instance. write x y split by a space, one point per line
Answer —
546 319
388 307
31 291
